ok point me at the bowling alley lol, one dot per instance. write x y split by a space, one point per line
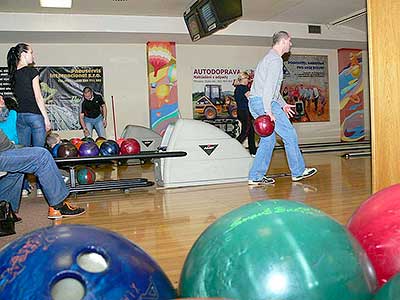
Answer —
199 149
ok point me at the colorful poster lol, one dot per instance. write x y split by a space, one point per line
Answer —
351 95
306 85
163 85
62 91
213 97
212 93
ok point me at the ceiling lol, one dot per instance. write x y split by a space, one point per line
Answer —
292 11
304 12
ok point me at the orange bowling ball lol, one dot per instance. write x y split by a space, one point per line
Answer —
75 140
119 141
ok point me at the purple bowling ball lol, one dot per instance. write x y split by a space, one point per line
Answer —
88 149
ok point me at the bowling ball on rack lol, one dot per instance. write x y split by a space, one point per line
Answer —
88 149
54 150
109 148
264 126
66 150
78 144
75 140
100 141
119 141
130 146
86 175
87 139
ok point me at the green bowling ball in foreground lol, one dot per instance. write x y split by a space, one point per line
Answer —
277 249
390 291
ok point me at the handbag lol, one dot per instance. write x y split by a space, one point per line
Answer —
7 219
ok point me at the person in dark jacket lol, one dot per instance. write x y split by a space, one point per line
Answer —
241 94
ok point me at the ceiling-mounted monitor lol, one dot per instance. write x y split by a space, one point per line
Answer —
194 26
228 11
208 17
211 16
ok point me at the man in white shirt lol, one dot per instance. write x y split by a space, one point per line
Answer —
266 99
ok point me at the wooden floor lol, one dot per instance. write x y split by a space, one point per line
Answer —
166 222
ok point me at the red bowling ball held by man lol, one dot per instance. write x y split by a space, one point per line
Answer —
264 126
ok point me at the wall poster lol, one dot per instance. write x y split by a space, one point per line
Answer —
212 96
163 85
62 91
351 95
306 85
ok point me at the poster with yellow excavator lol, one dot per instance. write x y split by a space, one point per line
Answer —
351 95
213 100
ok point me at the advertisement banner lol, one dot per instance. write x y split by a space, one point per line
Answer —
5 87
351 95
306 85
213 96
163 85
62 91
212 93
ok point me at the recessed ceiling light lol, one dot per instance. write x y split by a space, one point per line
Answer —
56 3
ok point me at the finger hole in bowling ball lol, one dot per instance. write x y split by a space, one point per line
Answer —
92 262
68 287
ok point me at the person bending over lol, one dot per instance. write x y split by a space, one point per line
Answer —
93 113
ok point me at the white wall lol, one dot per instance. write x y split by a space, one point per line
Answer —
125 72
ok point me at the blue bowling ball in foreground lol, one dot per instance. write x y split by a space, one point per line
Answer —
277 250
78 262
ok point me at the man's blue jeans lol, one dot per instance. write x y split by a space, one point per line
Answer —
97 124
31 130
34 160
285 129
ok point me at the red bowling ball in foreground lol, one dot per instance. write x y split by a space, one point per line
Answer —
263 126
376 225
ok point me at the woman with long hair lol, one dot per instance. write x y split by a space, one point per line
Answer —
241 94
32 118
